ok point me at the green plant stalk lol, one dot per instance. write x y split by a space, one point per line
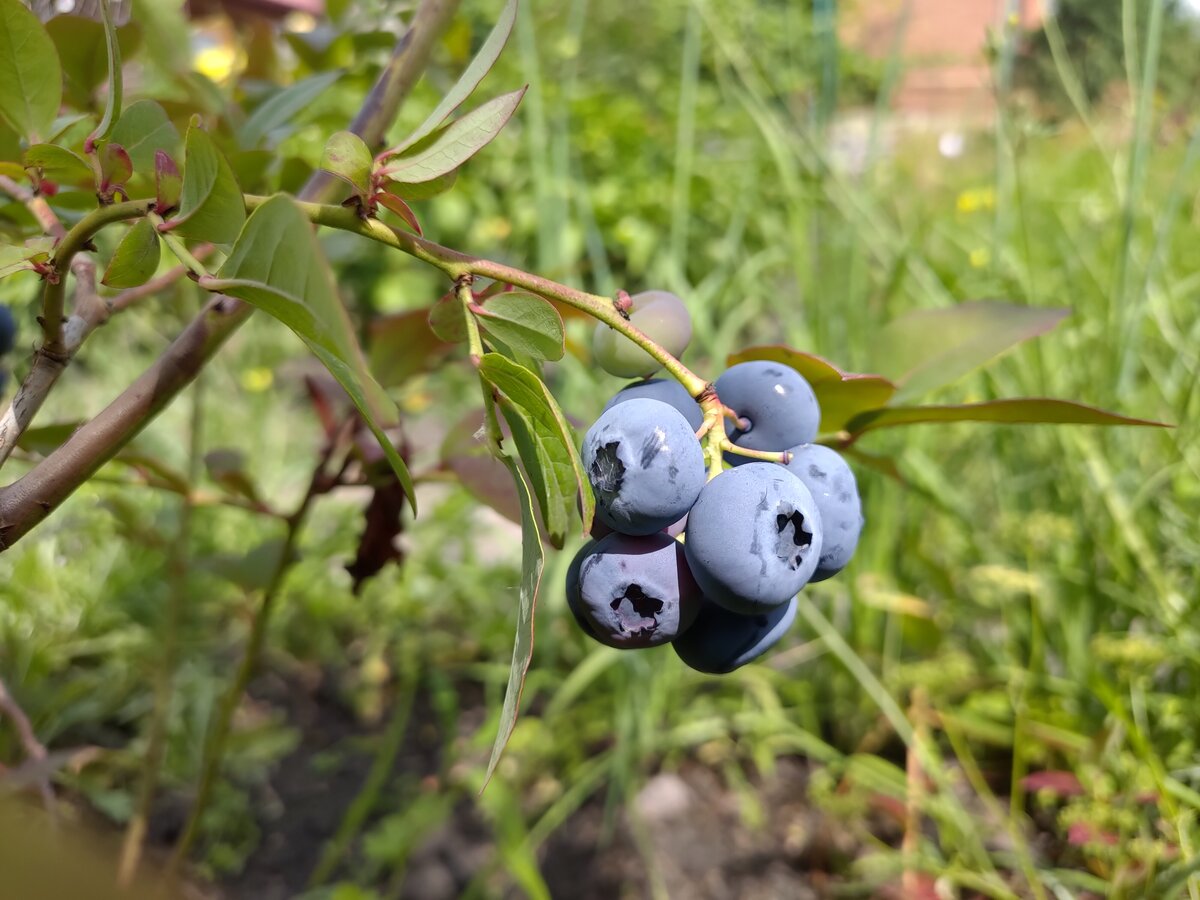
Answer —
178 247
367 799
462 290
76 239
218 733
177 570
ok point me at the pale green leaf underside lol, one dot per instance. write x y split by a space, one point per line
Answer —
457 142
471 76
927 349
526 323
553 435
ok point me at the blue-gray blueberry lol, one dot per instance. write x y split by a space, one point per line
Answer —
669 391
830 481
720 641
634 591
778 404
645 466
753 537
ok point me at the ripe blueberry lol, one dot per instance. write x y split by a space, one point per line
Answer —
574 600
8 331
720 641
753 537
645 466
669 391
832 485
778 403
635 591
662 317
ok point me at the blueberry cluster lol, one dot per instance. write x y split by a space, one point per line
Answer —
711 567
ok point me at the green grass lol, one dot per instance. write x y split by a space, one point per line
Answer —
1034 600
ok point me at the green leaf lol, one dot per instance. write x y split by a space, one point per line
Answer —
143 130
545 440
210 207
45 439
841 395
526 323
65 164
282 108
1012 411
15 258
449 148
532 560
470 78
30 72
277 265
927 349
422 190
252 571
136 257
403 345
83 51
349 158
227 467
112 103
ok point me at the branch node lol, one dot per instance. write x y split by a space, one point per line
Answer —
623 304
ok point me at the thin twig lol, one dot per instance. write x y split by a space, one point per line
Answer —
34 749
37 206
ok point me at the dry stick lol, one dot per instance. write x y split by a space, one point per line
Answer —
28 501
34 748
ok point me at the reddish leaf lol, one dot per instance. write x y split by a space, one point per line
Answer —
1011 411
842 395
484 476
446 319
168 183
403 345
399 207
116 169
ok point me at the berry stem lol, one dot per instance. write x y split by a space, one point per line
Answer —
765 455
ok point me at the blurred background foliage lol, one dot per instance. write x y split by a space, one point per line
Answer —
997 698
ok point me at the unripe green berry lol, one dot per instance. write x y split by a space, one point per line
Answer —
662 317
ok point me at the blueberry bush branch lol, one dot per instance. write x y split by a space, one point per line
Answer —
28 501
